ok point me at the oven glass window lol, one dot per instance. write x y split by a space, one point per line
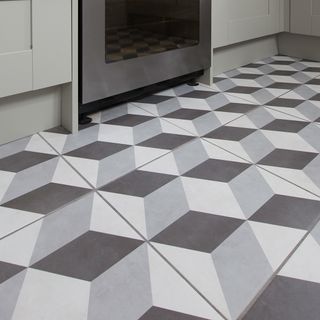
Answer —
137 28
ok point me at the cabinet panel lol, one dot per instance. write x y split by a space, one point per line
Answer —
315 19
305 17
52 41
15 25
243 9
16 73
240 20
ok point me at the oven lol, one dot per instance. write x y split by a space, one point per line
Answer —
127 45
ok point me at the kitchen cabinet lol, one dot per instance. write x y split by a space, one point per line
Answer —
15 47
52 40
305 17
240 20
35 44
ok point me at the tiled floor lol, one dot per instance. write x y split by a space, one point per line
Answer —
194 203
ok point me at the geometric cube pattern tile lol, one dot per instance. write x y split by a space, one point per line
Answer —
279 142
194 203
34 181
302 102
294 292
123 139
265 80
198 110
196 209
99 268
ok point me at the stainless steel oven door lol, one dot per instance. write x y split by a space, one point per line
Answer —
102 79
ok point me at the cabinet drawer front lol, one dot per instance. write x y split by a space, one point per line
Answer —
15 25
16 73
51 24
305 17
235 21
263 21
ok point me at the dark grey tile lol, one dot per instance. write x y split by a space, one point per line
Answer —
129 120
287 103
288 159
138 183
316 97
244 90
198 231
283 85
166 141
287 299
47 198
218 79
97 150
249 76
8 270
88 256
314 82
154 99
285 125
156 313
198 94
283 73
186 114
253 65
59 129
282 62
23 160
230 133
237 107
289 212
217 170
312 69
308 60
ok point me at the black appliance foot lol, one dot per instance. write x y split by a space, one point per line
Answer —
84 119
193 83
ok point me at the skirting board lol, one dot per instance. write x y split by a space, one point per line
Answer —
235 56
308 48
25 114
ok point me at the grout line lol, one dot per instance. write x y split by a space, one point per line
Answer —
167 261
43 216
259 166
276 272
186 130
96 191
122 175
288 114
303 238
164 258
259 103
270 107
236 155
291 182
285 260
16 140
189 282
208 141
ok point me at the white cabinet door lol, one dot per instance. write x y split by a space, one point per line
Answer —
15 47
305 17
35 44
240 20
52 41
